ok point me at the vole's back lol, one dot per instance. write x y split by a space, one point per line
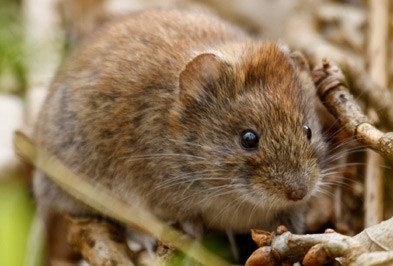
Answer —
109 101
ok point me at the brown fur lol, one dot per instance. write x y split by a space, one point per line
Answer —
152 107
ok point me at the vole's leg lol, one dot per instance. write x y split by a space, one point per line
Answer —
138 241
98 241
157 251
194 228
294 219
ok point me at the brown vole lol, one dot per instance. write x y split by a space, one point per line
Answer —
187 116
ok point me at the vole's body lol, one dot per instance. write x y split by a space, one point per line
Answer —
152 107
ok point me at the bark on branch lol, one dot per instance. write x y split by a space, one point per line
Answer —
372 246
334 94
315 48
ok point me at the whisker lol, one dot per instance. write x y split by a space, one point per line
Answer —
338 184
340 166
326 193
132 158
345 143
228 206
336 156
211 149
186 179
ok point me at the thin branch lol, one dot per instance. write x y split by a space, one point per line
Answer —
318 249
310 42
334 94
291 248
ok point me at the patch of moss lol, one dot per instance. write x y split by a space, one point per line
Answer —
12 68
16 213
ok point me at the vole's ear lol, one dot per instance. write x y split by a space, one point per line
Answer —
300 61
201 77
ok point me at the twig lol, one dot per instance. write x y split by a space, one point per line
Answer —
334 94
317 249
296 246
315 48
291 248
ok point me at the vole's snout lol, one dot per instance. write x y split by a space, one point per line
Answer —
296 193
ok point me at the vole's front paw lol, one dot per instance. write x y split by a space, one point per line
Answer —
138 241
194 228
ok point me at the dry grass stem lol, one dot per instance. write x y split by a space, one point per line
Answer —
377 56
102 201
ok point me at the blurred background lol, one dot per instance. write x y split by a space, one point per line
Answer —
36 35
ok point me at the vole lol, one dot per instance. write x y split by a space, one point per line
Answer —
189 117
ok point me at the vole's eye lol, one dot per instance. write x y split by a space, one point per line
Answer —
308 132
249 139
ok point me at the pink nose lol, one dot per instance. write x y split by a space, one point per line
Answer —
296 194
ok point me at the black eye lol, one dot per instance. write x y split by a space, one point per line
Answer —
249 139
308 132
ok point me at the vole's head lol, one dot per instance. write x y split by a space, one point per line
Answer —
247 119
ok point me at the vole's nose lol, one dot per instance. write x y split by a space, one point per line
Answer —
296 193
